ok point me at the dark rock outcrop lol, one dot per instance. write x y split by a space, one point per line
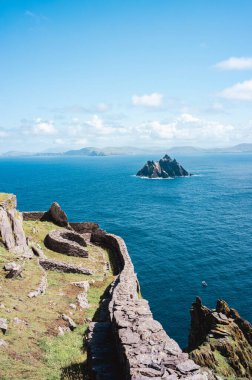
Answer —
67 242
58 216
166 167
221 340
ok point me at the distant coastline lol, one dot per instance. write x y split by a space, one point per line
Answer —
134 151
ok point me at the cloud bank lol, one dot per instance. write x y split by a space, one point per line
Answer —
235 63
152 100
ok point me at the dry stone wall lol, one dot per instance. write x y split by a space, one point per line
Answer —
67 242
144 349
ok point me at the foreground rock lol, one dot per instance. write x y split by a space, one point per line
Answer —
166 167
11 226
58 216
221 340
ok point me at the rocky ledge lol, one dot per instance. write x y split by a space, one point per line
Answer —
221 340
166 167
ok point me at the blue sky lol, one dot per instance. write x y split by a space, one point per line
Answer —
136 72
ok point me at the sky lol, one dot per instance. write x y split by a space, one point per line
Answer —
147 73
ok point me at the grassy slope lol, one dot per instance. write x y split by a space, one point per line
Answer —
35 350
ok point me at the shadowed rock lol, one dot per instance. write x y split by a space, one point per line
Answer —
221 340
58 216
166 167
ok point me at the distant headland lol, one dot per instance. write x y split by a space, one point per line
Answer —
129 150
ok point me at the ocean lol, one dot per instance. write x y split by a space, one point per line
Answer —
179 232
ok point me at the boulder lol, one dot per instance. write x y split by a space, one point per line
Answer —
3 325
57 215
3 344
71 324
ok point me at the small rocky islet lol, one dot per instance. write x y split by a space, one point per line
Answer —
165 168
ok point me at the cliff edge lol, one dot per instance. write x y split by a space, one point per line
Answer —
221 340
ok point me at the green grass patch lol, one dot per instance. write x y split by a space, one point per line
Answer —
35 350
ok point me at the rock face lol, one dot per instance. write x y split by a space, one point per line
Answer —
11 226
221 340
166 167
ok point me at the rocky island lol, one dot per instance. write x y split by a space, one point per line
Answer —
166 167
71 308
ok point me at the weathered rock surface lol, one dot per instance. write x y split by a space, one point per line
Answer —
41 288
3 325
166 167
3 344
81 284
221 340
14 269
83 301
58 216
50 264
11 227
71 324
67 242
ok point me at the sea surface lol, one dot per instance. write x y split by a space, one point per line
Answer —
179 232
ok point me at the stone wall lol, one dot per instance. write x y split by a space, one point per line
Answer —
33 215
67 242
144 349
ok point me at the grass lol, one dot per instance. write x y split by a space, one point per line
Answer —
35 351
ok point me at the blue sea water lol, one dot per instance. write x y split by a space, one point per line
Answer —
178 232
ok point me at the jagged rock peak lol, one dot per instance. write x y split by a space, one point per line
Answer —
166 167
221 340
58 215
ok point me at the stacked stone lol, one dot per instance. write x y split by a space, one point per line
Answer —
67 242
144 349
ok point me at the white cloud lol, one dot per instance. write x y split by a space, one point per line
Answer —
235 63
188 118
81 142
239 91
3 133
44 128
184 130
102 107
152 100
59 141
